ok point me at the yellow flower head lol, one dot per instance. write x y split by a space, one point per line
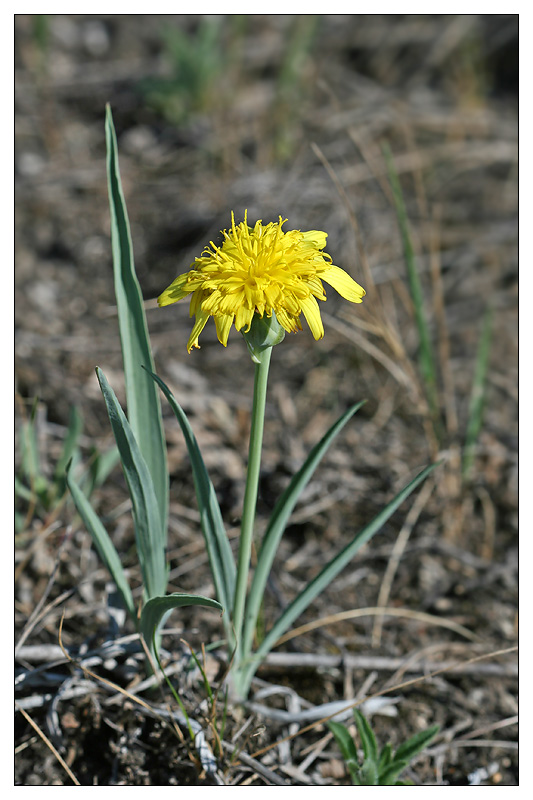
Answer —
260 270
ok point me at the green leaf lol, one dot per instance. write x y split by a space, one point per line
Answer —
347 747
101 466
70 446
143 404
23 492
344 740
216 539
368 774
385 757
416 744
157 607
102 541
368 740
30 460
148 531
278 521
329 573
427 362
477 398
389 775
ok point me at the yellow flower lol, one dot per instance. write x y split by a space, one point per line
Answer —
260 270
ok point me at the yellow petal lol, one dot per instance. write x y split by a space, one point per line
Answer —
343 284
176 291
199 325
244 317
318 238
312 314
223 324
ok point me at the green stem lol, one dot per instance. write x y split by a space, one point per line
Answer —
250 496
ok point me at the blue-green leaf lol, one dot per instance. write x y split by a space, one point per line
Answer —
216 539
148 531
328 574
157 607
70 447
427 361
143 403
102 542
278 521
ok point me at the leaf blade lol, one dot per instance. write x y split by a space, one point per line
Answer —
157 607
347 747
366 734
143 404
148 530
331 570
426 357
278 521
216 539
102 541
415 744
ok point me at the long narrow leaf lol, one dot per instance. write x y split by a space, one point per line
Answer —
148 531
278 521
477 398
389 775
102 541
143 404
157 607
366 734
216 539
347 747
70 446
30 458
385 757
331 570
415 744
427 362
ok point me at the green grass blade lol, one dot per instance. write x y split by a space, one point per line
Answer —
148 531
143 404
158 607
427 362
330 572
477 398
216 539
30 466
70 446
102 541
101 466
278 521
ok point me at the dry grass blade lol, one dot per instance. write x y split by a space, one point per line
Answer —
397 553
49 744
382 612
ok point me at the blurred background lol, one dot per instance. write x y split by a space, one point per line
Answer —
287 115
